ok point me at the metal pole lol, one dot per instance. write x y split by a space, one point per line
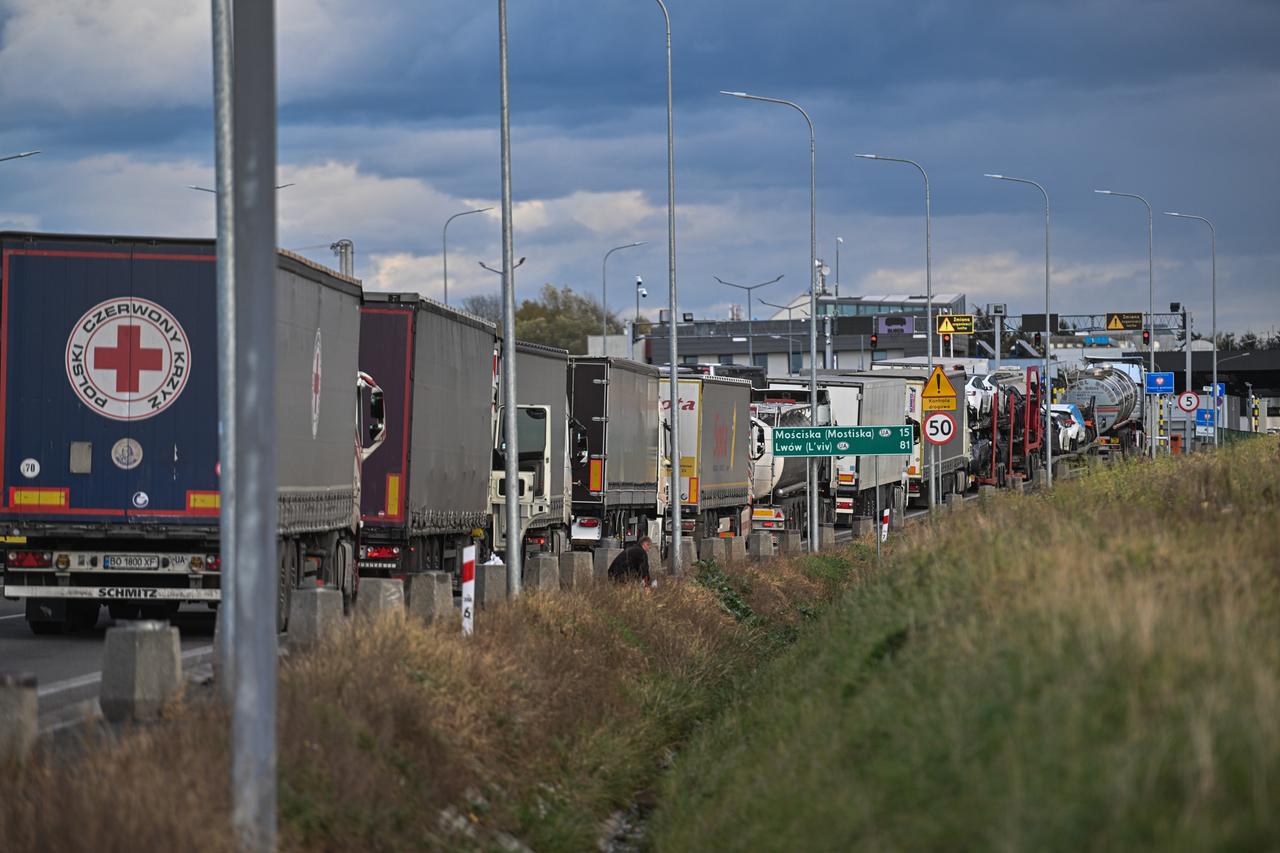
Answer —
935 479
1186 346
253 480
1213 326
879 521
1151 288
444 245
604 294
673 384
515 536
999 336
838 242
226 335
748 289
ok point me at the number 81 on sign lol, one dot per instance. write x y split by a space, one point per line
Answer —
939 428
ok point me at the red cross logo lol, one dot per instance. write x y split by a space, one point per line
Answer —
128 358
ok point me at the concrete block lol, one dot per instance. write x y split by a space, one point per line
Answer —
737 549
603 559
789 542
1061 471
688 555
826 536
431 596
986 492
1016 485
141 670
491 584
954 502
380 597
314 614
542 572
656 564
575 569
863 526
18 717
898 520
713 550
760 544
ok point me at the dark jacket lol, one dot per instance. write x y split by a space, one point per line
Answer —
631 565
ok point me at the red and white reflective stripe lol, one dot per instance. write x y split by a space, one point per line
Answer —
468 589
884 525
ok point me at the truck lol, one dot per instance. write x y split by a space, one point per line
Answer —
779 484
426 494
952 458
614 452
109 419
870 400
1010 439
715 467
1107 396
542 417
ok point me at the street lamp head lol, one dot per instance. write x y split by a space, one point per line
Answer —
868 156
839 239
997 177
1104 192
633 245
734 94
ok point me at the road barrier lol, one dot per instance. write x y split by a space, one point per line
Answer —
430 596
542 572
314 614
18 717
575 570
380 597
141 670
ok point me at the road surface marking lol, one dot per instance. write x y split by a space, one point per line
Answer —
94 677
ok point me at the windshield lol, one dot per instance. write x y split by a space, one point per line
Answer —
531 436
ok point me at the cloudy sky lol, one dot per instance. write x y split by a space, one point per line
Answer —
389 125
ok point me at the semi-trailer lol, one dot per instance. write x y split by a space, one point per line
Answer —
714 420
109 482
542 425
869 400
426 490
614 452
952 464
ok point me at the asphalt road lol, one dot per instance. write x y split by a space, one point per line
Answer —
68 668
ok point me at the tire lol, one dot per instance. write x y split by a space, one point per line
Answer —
46 629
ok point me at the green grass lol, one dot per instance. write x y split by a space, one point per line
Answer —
1096 669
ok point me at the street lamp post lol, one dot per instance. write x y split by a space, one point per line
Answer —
839 243
604 293
813 300
510 424
673 381
1048 332
19 156
1151 287
790 330
748 288
444 245
935 480
1213 284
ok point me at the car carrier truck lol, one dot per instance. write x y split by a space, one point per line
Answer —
109 419
426 493
542 426
715 466
613 451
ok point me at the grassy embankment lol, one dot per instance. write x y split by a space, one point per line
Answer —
1098 669
562 709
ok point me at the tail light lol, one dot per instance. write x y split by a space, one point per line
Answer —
588 522
213 563
30 559
535 540
381 552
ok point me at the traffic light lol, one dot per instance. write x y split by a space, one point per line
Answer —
946 340
1038 339
874 340
1146 337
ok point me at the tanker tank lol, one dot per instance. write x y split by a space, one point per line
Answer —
1112 394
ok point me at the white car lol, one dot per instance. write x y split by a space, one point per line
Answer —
978 393
1069 427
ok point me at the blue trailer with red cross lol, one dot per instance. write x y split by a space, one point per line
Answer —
109 463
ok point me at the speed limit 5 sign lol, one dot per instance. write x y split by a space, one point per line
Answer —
939 427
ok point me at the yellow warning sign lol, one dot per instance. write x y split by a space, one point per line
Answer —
1114 324
939 394
1124 321
955 324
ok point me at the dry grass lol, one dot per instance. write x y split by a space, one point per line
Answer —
401 736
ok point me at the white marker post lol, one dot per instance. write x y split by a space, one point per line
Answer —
468 590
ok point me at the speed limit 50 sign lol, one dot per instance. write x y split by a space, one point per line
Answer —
939 427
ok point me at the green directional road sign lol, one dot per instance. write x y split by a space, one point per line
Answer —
842 441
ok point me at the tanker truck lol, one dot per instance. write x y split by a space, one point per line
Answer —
779 483
1108 399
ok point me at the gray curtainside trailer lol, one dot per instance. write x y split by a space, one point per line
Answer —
426 492
542 376
613 451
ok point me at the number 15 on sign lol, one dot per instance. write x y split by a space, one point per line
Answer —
939 427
